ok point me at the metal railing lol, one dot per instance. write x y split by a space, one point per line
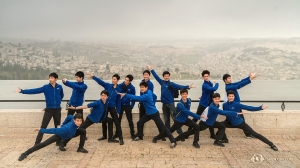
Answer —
248 101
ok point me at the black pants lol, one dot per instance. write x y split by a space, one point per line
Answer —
114 116
109 122
195 129
53 138
159 123
245 132
72 112
128 112
81 131
221 130
143 112
48 114
245 127
168 110
200 110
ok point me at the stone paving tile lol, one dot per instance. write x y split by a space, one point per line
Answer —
239 152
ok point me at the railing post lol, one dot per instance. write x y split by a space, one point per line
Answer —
282 106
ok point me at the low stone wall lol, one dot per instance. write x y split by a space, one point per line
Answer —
264 122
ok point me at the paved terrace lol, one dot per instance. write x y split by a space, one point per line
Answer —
282 128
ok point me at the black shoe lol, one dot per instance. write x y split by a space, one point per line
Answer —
102 138
137 138
196 145
121 142
212 136
182 139
173 144
82 150
225 141
163 138
154 140
132 137
22 157
274 147
85 138
62 148
58 143
115 136
219 143
111 140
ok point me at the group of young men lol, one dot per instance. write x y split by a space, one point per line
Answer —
116 99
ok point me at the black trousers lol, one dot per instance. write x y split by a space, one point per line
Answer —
128 112
142 111
159 123
81 131
110 123
200 110
72 112
48 114
52 139
114 115
245 132
195 129
245 127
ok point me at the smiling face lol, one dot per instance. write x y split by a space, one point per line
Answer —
78 121
143 88
184 95
206 77
78 79
127 81
230 97
216 100
114 80
146 76
166 77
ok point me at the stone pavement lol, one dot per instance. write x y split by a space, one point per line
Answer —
240 152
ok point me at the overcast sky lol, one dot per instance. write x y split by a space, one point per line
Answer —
91 20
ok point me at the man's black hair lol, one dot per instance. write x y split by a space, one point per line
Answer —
117 76
225 76
215 95
147 71
80 74
205 72
230 92
104 92
183 90
143 83
130 77
78 115
54 75
166 73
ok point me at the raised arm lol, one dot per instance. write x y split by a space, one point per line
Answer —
98 80
238 85
68 119
76 86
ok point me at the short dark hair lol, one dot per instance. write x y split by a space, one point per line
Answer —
117 76
215 95
230 92
205 72
80 74
166 73
147 71
130 77
183 90
143 83
104 92
78 115
54 75
225 76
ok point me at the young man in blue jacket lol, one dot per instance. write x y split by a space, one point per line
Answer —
167 99
77 97
238 122
151 113
112 89
53 94
126 104
208 90
98 114
234 87
68 129
183 112
146 76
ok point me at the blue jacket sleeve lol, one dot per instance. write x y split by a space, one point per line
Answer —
76 86
224 112
68 119
250 108
154 97
93 104
158 79
181 108
100 82
119 104
151 86
50 130
132 101
214 88
33 91
62 93
178 87
138 98
238 85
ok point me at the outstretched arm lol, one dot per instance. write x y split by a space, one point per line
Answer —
186 111
30 91
75 85
251 108
238 85
98 80
158 79
209 88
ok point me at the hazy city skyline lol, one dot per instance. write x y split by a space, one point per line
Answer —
148 20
